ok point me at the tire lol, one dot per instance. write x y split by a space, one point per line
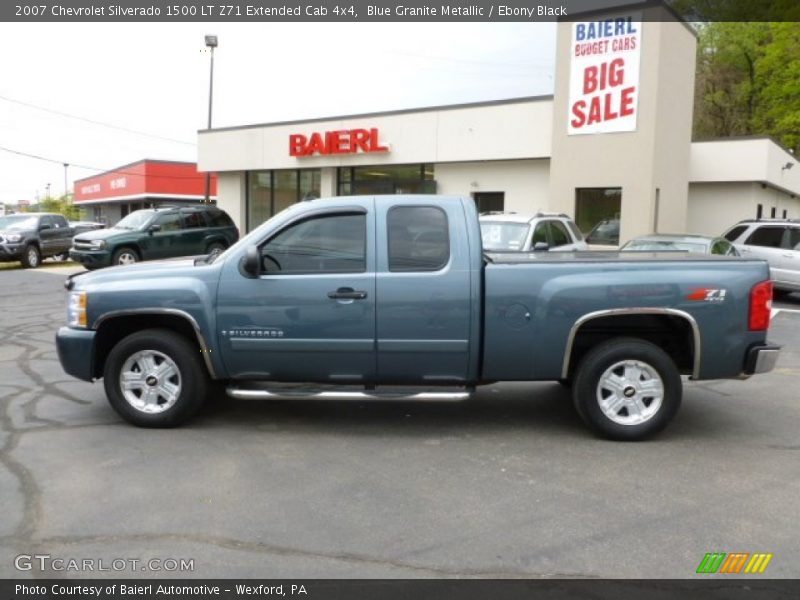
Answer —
167 379
31 257
627 389
124 256
60 257
215 247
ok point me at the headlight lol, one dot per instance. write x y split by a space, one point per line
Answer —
76 309
98 244
14 237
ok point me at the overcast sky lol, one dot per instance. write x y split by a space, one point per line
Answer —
153 78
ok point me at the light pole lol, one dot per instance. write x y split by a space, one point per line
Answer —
66 189
48 191
211 43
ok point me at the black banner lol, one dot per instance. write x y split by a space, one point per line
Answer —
381 11
369 589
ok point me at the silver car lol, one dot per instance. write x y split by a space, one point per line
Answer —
510 232
775 240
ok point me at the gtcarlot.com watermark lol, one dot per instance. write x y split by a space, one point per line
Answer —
47 562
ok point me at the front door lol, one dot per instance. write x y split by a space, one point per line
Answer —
166 242
310 315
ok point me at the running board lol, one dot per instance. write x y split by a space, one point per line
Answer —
328 393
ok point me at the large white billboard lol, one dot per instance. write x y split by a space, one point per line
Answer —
604 75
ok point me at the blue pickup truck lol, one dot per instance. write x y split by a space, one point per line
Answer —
393 297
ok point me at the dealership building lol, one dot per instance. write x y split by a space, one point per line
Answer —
148 183
613 141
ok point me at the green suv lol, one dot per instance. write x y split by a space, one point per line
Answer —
156 233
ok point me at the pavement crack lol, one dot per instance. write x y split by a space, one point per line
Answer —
289 551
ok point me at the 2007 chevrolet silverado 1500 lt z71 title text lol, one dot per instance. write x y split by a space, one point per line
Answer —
355 296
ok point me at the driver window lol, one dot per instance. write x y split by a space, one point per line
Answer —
169 222
328 244
539 234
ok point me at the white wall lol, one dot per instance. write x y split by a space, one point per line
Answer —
525 182
509 130
714 207
231 196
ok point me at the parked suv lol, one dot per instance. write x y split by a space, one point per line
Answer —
156 233
510 232
775 240
30 237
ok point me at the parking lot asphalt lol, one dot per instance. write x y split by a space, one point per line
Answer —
509 484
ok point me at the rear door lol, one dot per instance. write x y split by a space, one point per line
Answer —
766 241
62 239
423 292
194 234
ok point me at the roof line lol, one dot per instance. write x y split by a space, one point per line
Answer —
748 137
137 162
387 113
643 5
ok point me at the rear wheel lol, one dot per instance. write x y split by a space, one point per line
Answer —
31 257
155 378
124 256
627 389
60 257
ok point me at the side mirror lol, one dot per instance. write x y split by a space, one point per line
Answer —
251 262
153 228
541 247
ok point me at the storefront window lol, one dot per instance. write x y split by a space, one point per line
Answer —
269 192
386 179
597 212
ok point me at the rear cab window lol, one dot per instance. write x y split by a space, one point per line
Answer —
418 238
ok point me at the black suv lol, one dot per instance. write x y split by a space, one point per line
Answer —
30 237
156 233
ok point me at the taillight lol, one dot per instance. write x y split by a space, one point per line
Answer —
760 306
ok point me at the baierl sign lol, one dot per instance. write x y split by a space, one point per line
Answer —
604 75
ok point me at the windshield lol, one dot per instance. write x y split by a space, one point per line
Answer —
18 222
135 220
503 236
664 246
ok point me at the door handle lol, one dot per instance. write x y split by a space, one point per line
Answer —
347 293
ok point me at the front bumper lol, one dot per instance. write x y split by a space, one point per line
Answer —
91 259
76 352
9 252
761 359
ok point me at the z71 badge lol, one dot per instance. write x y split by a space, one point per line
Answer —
707 295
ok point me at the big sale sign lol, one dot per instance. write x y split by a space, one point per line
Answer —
604 75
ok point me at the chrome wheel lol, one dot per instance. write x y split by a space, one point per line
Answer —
126 258
630 392
33 257
150 381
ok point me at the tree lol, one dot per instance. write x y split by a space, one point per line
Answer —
62 205
748 81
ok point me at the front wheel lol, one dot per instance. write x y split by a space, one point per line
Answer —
215 248
155 378
627 389
31 257
124 256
